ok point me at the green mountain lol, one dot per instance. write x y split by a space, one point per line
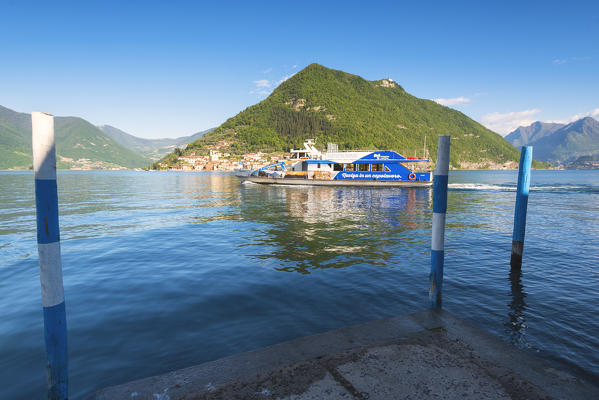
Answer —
334 106
79 144
559 143
151 148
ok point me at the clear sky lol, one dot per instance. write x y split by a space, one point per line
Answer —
172 68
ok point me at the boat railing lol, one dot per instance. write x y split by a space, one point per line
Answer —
346 154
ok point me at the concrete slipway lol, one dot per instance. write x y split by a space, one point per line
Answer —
430 354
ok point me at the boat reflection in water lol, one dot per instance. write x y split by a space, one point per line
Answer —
310 227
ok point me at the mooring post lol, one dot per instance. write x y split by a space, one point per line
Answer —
521 205
48 245
439 209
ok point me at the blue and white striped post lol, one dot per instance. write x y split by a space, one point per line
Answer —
48 245
521 205
439 209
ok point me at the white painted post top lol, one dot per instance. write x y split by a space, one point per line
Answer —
42 141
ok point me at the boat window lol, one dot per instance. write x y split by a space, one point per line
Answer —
363 167
387 169
350 167
337 167
377 168
319 165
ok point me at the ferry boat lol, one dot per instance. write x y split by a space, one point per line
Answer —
309 166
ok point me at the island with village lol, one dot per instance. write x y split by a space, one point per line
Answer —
218 159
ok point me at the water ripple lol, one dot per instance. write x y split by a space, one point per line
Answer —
167 270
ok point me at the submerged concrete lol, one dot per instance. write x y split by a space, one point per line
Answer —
430 354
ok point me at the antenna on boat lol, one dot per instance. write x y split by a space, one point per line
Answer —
424 148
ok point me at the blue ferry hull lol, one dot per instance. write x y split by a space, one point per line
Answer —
340 182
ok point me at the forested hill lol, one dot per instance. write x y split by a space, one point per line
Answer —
79 144
334 106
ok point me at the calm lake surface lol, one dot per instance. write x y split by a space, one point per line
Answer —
167 270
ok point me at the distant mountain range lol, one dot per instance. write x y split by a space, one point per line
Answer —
338 107
150 148
571 145
79 144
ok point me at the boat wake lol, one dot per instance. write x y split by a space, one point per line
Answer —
512 187
480 186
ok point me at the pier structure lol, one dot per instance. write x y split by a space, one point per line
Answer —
48 244
429 354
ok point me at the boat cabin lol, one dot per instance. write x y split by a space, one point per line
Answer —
310 163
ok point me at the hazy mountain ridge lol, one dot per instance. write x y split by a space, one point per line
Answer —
151 148
535 131
561 144
335 106
79 144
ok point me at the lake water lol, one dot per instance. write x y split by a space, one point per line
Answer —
167 270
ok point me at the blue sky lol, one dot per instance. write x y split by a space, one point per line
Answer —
167 69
